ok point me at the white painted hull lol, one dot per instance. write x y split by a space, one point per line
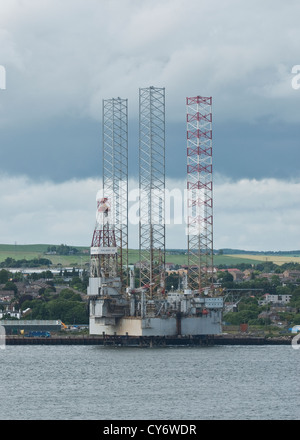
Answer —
157 326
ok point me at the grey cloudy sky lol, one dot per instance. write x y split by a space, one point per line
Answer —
63 57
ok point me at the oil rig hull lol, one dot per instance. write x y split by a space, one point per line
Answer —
179 326
179 315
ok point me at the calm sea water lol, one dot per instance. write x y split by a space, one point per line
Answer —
104 383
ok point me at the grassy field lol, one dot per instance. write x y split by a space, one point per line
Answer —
276 259
29 252
229 260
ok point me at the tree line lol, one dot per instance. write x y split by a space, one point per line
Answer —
67 306
35 262
62 249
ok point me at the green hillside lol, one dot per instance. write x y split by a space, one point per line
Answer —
228 257
31 251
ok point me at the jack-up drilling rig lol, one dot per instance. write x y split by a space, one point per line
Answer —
117 308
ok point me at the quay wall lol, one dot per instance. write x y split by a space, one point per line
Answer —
206 340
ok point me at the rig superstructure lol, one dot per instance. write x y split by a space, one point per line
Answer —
117 305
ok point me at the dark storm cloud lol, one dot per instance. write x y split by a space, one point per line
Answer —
62 58
72 148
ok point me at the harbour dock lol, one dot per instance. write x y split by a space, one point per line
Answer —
150 341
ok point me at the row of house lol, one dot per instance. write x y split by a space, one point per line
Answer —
245 275
23 289
12 312
238 275
275 299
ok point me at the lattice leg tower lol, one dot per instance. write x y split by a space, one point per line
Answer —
115 174
152 188
199 193
103 263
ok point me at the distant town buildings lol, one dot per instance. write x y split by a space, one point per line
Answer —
275 299
10 312
9 308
